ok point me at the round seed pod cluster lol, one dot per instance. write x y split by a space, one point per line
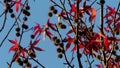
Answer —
9 8
17 29
19 61
26 13
59 44
56 40
24 62
61 26
52 11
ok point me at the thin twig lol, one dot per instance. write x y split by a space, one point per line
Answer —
38 63
93 3
4 22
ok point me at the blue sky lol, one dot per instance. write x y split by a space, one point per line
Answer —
39 10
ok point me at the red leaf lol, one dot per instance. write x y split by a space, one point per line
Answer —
51 25
32 46
106 44
74 48
69 32
37 29
109 21
68 45
13 48
16 56
23 52
13 42
110 13
48 33
39 49
73 8
70 40
92 15
15 45
118 27
17 5
99 66
36 42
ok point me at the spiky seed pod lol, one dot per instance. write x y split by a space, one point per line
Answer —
26 12
98 57
27 7
20 63
25 18
50 14
63 51
55 44
59 50
33 55
52 8
17 29
57 41
25 26
113 52
75 21
17 34
63 26
18 60
59 25
55 11
12 15
10 10
32 36
28 65
116 47
54 38
117 32
60 55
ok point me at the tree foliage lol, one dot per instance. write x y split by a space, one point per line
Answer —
77 19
